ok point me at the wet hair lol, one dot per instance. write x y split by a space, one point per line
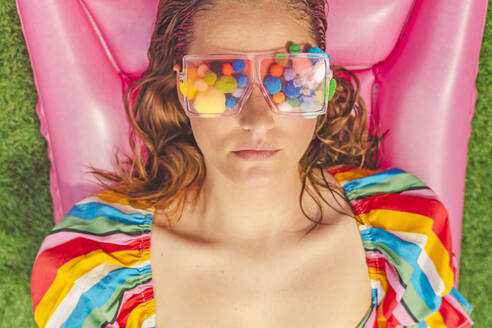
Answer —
167 168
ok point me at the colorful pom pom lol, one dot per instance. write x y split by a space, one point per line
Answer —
320 97
291 90
307 101
188 83
302 65
318 50
227 69
276 70
202 70
289 74
315 50
200 85
330 89
281 59
242 80
316 75
273 84
238 65
210 101
294 102
285 107
210 78
294 48
226 84
230 102
181 88
333 87
298 82
238 92
305 92
279 97
216 67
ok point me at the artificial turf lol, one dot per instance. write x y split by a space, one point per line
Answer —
25 204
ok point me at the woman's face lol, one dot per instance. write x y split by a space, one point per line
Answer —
253 27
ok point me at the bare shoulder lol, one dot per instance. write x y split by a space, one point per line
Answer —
336 207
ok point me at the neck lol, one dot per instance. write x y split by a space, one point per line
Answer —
230 211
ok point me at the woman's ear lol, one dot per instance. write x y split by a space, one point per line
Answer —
176 68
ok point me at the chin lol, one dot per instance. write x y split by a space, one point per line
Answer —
254 177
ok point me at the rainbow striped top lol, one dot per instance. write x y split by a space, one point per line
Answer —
93 269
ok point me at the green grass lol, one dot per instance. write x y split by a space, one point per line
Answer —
476 256
25 203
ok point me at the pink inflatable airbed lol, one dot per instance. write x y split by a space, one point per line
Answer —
417 62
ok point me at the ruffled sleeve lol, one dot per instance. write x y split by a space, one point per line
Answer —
406 236
93 269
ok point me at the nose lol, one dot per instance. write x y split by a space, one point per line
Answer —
256 115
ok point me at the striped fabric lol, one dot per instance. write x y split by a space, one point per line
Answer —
93 269
407 241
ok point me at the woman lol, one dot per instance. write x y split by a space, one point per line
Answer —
233 241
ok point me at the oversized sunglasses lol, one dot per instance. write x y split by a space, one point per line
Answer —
293 84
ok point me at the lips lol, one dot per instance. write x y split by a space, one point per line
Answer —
255 155
257 147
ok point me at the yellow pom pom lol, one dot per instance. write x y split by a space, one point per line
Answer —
181 88
191 90
188 83
192 73
320 96
200 85
212 101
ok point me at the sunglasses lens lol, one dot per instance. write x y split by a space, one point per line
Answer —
296 84
215 87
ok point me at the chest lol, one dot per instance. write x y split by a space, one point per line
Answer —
318 284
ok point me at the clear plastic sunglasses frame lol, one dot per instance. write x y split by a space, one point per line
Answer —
256 59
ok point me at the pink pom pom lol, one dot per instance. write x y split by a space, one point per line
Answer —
302 65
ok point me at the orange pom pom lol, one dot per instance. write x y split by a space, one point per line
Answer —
279 97
227 69
276 70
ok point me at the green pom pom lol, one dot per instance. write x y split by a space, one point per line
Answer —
210 78
226 84
294 102
333 87
294 48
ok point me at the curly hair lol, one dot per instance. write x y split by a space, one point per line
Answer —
167 168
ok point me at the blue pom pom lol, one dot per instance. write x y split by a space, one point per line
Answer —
238 65
319 51
230 102
315 50
273 84
242 80
291 90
